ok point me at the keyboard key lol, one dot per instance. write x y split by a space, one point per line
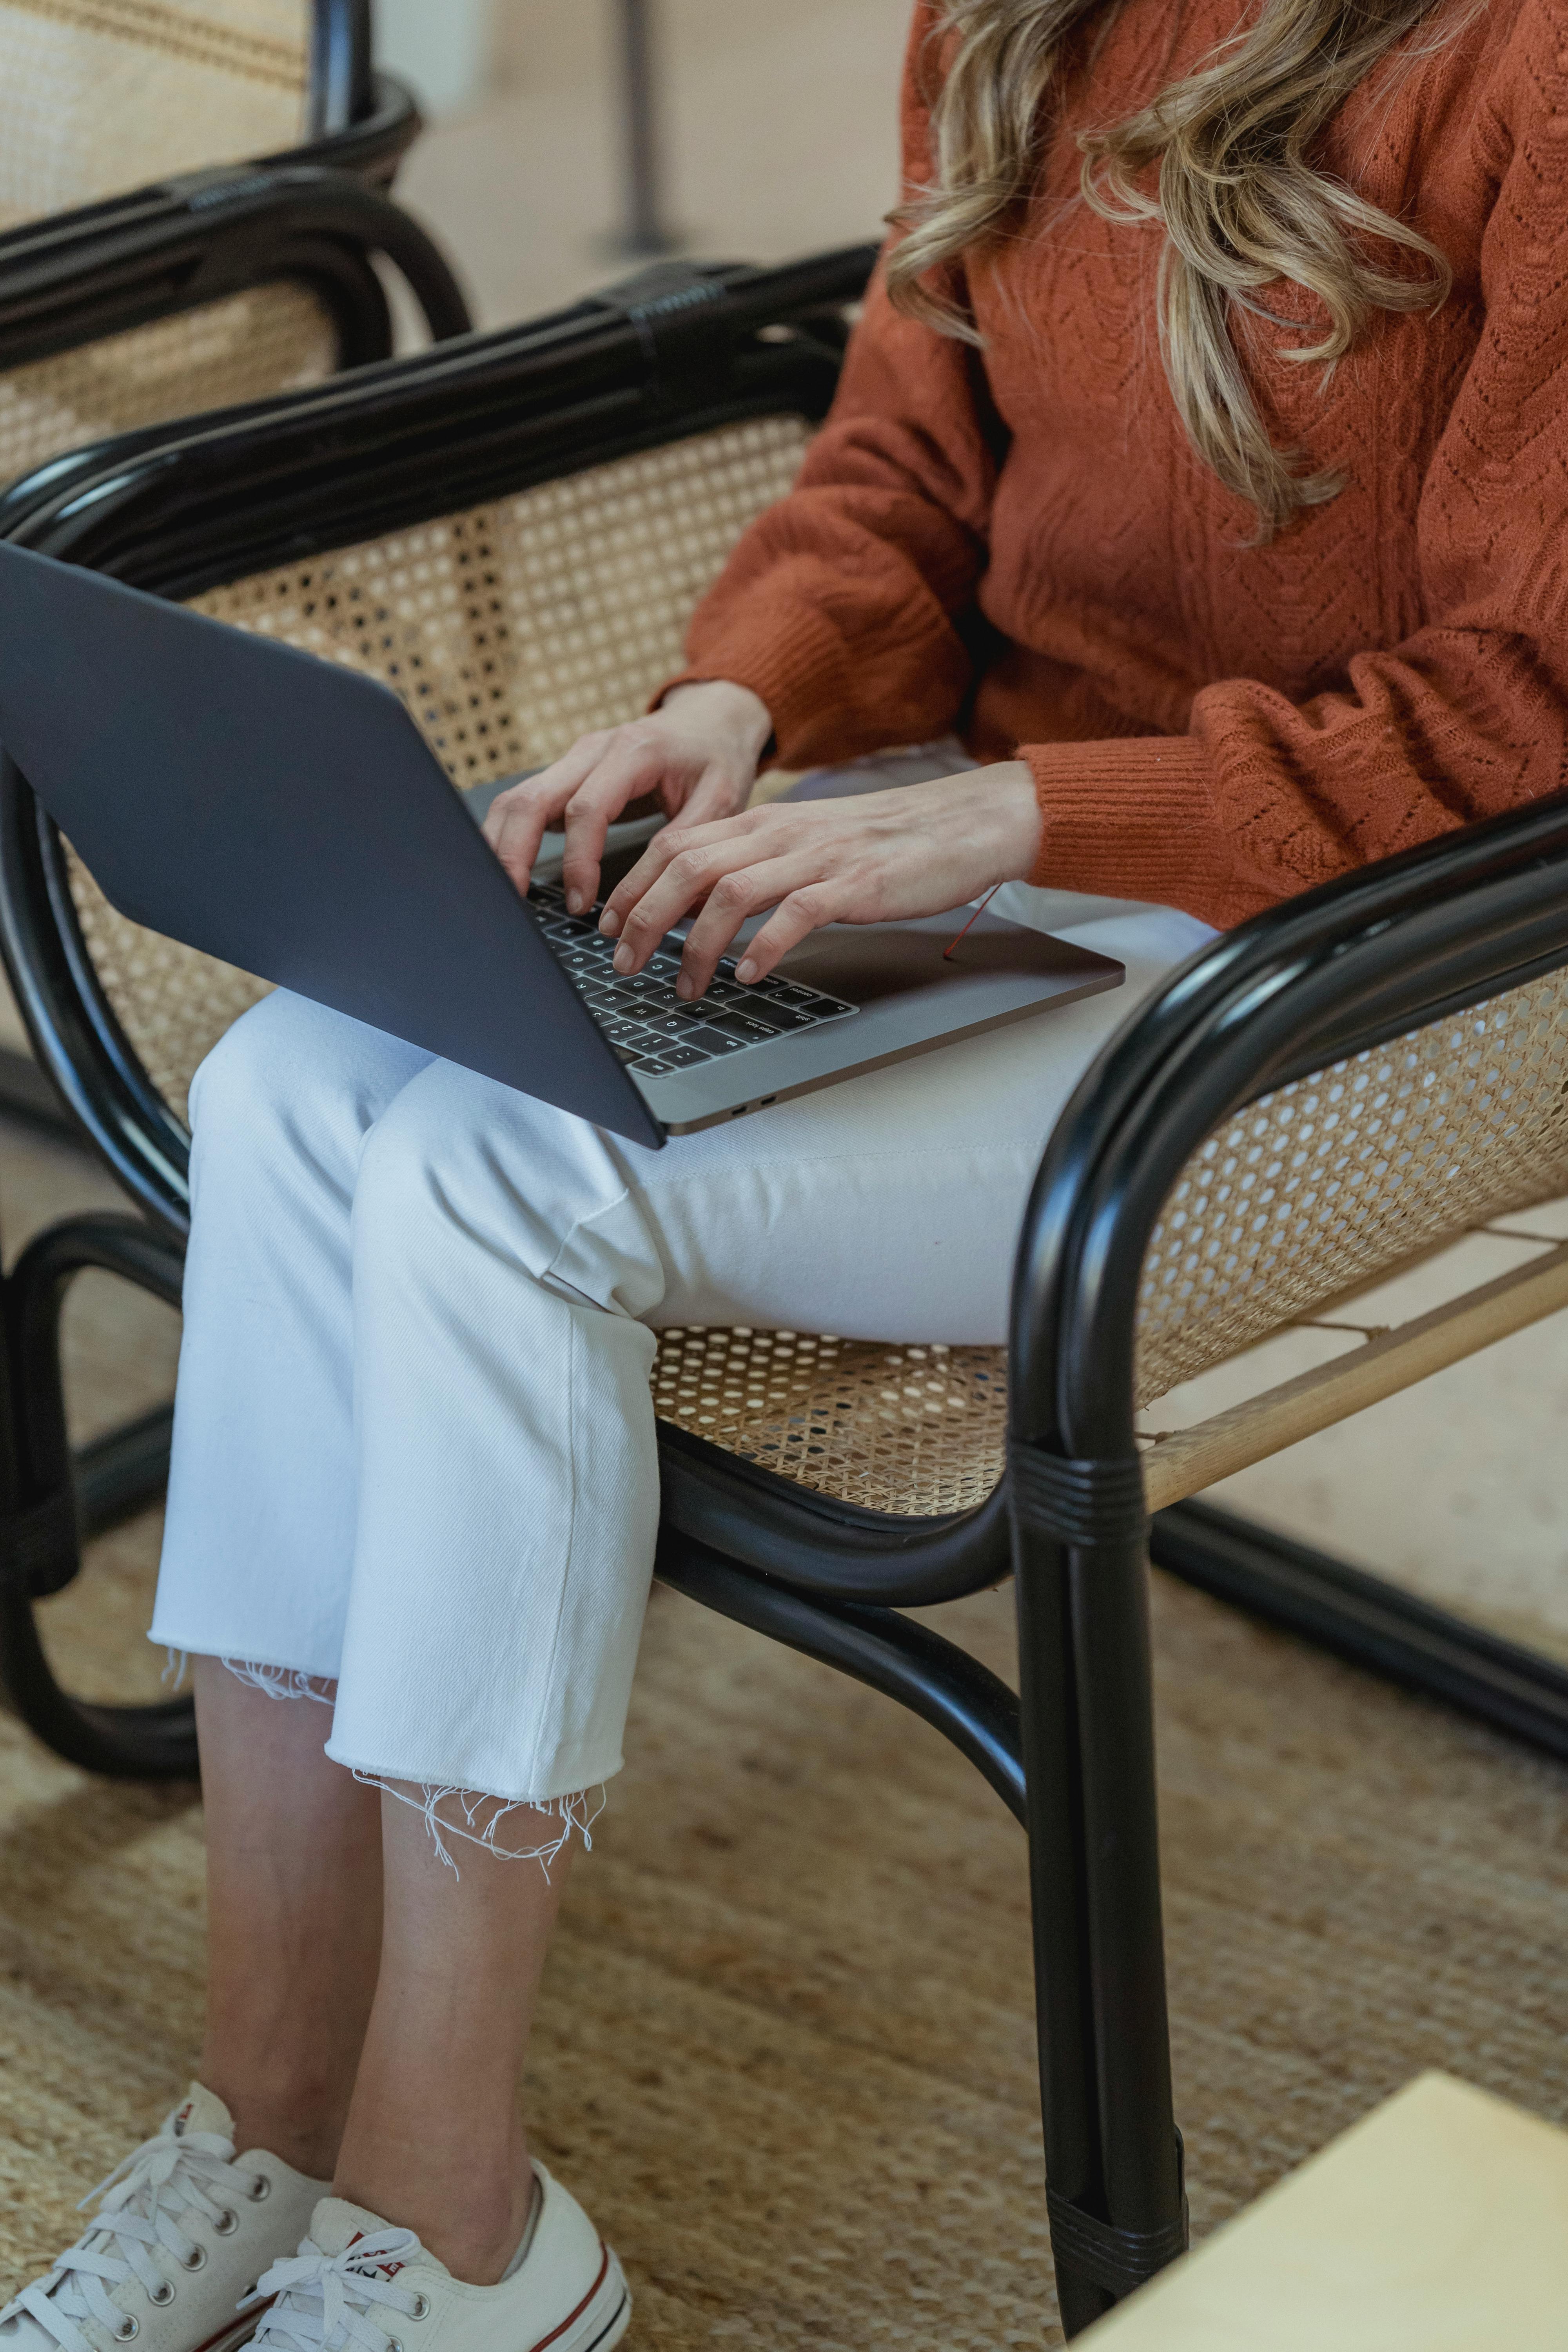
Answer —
628 1033
742 1026
712 1042
681 1057
651 1066
779 1018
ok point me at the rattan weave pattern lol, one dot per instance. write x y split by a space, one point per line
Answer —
98 97
508 631
1344 1174
513 629
269 339
917 1431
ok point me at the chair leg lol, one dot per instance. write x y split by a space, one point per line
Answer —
49 1500
1113 2159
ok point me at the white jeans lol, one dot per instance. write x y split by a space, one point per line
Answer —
414 1440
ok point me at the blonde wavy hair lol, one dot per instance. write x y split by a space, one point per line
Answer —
1243 206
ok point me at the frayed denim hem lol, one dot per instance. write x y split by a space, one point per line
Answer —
283 1681
578 1811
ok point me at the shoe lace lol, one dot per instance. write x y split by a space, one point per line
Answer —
321 2300
143 2199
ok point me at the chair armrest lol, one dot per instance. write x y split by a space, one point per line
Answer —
107 267
438 430
1342 968
372 143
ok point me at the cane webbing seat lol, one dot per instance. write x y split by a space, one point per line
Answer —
100 96
919 1430
511 628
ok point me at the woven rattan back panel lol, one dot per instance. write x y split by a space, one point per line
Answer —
271 339
508 631
100 96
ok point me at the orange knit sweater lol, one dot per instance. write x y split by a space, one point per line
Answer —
1021 544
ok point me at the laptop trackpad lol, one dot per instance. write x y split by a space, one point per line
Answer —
869 963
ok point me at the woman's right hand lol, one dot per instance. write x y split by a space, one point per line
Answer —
699 752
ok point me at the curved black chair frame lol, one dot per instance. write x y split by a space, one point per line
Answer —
1345 967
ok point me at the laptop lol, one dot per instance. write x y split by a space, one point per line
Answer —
286 815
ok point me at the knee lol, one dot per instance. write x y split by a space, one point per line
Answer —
435 1163
460 1163
281 1078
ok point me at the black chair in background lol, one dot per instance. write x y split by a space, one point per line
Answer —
191 216
512 533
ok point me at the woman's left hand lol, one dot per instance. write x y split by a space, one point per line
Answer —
915 850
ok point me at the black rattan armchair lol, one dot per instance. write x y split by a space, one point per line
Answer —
511 530
203 164
208 233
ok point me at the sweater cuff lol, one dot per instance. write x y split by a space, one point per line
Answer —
797 667
1132 818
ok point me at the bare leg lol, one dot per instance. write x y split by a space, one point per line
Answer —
435 2137
294 1895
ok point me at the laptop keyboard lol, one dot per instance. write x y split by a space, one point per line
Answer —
654 1031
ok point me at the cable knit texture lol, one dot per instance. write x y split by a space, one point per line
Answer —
1020 544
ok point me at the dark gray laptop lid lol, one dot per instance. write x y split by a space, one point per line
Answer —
286 815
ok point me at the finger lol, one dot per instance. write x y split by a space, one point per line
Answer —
663 850
555 784
712 798
794 918
626 772
718 793
690 873
782 883
518 821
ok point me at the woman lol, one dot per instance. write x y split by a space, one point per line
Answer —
1215 497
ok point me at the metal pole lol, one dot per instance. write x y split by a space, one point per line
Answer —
645 230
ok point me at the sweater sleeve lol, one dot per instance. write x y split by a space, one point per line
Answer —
1262 796
841 606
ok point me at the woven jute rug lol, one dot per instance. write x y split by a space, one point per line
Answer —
785 2053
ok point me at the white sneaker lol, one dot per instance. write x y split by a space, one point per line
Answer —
357 2282
183 2233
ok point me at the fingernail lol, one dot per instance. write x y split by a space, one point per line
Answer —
574 902
622 958
683 987
747 970
609 923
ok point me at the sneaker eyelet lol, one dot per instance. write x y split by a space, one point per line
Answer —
260 2190
421 2307
196 2259
394 2345
163 2295
227 2222
127 2328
